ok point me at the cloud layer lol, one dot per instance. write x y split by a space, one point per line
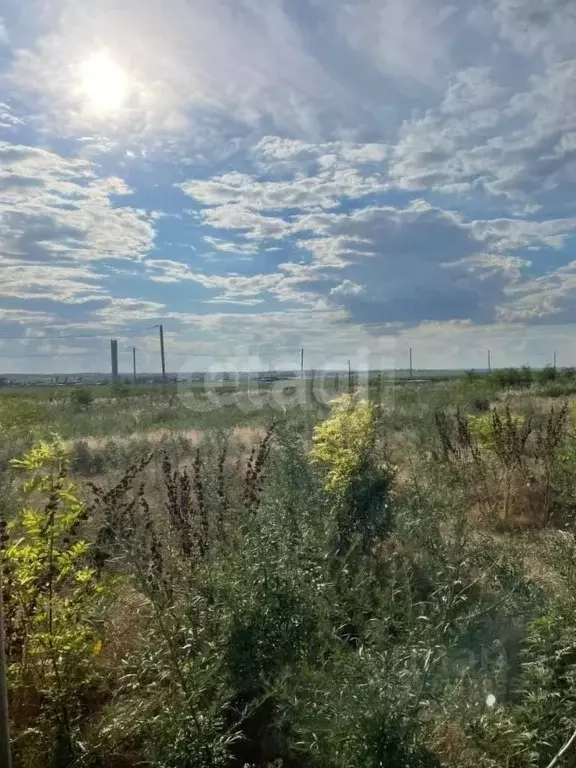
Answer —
356 174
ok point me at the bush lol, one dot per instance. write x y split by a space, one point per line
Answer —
344 444
121 389
52 604
81 397
86 461
506 463
559 388
547 374
538 722
513 377
480 405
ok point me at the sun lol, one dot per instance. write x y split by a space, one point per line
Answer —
104 84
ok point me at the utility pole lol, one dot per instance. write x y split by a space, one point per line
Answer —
411 369
134 363
489 362
349 378
302 363
162 355
114 358
554 361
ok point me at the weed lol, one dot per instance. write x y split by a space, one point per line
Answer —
306 602
81 397
255 467
506 462
186 508
52 600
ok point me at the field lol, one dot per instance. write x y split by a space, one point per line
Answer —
317 574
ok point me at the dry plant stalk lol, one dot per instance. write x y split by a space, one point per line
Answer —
254 476
509 466
118 511
186 507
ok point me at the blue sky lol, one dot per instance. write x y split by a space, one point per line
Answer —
351 176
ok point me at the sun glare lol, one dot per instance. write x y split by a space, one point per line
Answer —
104 83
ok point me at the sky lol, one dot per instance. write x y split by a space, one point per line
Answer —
354 177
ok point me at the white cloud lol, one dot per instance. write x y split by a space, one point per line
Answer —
325 189
328 128
336 251
470 90
484 137
509 234
180 64
120 311
273 153
341 172
550 298
538 26
273 334
237 216
73 284
347 288
56 207
382 263
224 245
26 316
235 287
7 118
328 67
403 38
4 39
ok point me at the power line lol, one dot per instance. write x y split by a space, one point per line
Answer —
150 353
78 335
46 354
147 352
219 356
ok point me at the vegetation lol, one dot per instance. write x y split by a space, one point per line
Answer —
82 397
384 579
551 381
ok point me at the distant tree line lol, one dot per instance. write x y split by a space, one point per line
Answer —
526 376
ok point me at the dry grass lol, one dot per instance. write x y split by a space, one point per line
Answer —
537 403
154 436
451 743
246 437
125 627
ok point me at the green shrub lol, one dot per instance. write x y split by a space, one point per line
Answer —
86 461
513 377
81 397
121 389
547 374
358 481
480 405
506 462
558 388
52 611
534 727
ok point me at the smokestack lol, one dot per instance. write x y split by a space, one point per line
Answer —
114 358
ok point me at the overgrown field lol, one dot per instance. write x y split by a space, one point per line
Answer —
384 576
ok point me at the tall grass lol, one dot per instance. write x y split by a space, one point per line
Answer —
341 592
